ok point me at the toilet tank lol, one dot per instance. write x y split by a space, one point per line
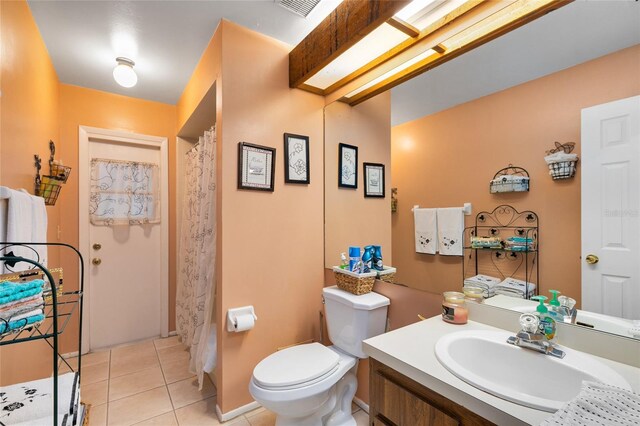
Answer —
352 319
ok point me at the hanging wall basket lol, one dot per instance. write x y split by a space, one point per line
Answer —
510 179
562 163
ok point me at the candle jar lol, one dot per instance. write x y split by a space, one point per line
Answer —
472 294
454 308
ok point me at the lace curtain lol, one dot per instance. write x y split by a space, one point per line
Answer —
124 193
195 292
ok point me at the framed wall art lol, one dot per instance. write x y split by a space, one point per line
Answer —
256 167
347 166
373 180
296 158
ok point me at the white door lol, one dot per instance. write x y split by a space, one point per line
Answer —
611 208
126 264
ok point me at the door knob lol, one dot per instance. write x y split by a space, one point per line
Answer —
96 261
592 259
97 246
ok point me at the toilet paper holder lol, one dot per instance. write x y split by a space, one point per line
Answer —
233 314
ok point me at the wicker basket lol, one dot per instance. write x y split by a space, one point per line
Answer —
387 274
353 282
562 169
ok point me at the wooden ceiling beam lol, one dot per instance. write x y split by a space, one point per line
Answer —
349 23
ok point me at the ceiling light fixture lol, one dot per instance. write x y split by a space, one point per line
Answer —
364 48
123 73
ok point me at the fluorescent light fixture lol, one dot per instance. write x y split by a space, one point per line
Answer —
124 74
413 8
424 55
376 43
410 40
430 15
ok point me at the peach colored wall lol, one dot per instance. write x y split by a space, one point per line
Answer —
29 106
272 242
448 158
204 76
87 107
350 218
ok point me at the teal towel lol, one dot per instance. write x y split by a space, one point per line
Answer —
7 288
20 295
4 326
10 291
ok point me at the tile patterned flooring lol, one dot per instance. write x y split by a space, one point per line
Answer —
149 383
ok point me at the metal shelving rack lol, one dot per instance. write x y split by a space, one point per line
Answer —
59 308
503 222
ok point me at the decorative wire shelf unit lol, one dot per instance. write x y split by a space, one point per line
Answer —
505 262
59 309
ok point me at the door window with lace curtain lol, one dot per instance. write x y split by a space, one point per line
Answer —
124 192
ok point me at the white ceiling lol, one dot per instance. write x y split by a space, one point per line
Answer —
164 38
167 38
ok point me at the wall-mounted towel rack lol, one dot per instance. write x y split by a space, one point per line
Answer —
467 208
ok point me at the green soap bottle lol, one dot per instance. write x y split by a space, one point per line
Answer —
554 305
547 323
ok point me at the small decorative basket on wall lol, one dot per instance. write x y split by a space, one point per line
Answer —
49 186
510 179
561 161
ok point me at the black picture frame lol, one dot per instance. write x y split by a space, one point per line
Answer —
296 159
347 166
256 167
374 183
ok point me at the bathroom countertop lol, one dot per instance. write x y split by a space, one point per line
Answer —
410 351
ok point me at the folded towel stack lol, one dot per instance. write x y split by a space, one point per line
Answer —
519 244
21 305
599 404
484 282
486 242
516 288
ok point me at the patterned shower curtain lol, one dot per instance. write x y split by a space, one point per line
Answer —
195 292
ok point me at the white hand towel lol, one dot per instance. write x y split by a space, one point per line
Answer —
426 231
19 224
450 228
39 227
598 404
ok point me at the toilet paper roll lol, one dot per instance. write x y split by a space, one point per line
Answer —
244 322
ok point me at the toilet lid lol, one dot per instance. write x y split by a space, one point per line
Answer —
295 365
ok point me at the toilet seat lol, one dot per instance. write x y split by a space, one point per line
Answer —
296 367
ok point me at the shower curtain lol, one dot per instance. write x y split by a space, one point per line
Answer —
195 292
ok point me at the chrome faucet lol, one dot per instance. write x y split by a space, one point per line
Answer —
566 310
530 337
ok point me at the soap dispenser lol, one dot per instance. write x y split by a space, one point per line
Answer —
547 323
554 305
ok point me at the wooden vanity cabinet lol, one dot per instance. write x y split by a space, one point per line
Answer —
396 400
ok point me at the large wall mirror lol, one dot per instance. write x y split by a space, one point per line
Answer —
455 126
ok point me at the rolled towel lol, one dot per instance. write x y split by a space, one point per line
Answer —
8 288
560 157
12 292
30 299
13 325
12 314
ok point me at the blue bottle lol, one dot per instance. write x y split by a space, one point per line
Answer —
377 258
367 257
354 257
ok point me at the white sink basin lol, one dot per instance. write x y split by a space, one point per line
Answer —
485 360
600 322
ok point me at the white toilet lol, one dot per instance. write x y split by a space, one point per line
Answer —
311 384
